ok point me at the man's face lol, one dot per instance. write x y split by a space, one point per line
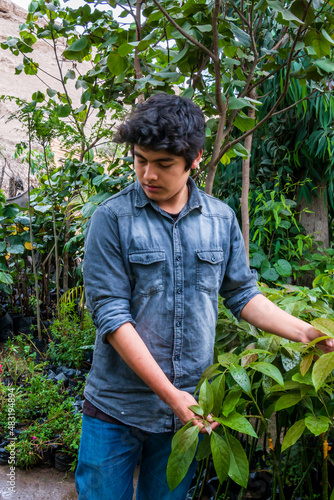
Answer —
163 177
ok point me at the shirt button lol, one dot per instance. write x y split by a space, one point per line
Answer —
178 258
178 324
176 358
213 259
179 290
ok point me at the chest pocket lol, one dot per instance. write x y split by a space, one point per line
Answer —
148 271
209 267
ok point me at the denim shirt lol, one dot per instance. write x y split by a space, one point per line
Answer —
163 276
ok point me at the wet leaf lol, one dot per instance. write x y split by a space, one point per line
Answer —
220 456
241 377
322 368
293 434
306 363
238 423
269 370
231 401
317 424
239 467
287 400
206 397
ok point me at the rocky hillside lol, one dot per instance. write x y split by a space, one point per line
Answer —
13 174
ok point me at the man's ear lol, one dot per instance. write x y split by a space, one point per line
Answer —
196 161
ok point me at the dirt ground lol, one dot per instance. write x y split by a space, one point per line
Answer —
38 484
41 484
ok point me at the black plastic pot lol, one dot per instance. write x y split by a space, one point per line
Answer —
63 461
6 334
49 455
19 323
6 322
4 456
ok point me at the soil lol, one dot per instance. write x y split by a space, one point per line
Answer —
38 484
41 484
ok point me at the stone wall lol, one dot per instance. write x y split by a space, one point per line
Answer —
23 86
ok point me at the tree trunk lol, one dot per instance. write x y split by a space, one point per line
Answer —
66 256
245 183
316 222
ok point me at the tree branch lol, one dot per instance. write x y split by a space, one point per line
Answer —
188 37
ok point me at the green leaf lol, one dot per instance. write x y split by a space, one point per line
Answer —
238 423
32 7
70 74
6 278
286 14
241 35
325 325
218 390
78 46
239 467
317 425
206 397
204 448
15 249
317 340
220 456
116 64
243 122
188 93
42 208
208 373
241 377
51 92
270 370
325 65
256 259
316 40
235 103
306 363
240 150
270 274
179 463
327 36
231 401
283 267
64 111
196 409
9 211
293 434
179 55
287 401
322 368
188 438
125 49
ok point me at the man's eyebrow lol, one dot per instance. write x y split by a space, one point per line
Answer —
166 158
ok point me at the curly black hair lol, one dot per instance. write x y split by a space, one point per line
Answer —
165 122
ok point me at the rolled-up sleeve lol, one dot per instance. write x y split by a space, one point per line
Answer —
239 283
107 285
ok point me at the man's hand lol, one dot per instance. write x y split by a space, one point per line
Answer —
326 345
180 402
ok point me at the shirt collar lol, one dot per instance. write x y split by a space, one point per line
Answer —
192 203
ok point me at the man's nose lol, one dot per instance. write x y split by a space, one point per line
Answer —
150 172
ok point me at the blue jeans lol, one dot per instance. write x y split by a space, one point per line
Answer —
108 456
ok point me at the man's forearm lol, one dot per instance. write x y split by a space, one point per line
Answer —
129 345
263 314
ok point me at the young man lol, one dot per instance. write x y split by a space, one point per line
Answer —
157 255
